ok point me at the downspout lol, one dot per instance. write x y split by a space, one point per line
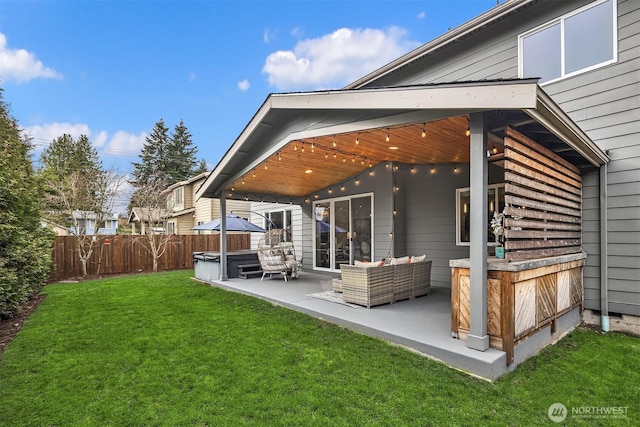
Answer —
604 263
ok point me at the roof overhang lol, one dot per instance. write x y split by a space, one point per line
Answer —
286 119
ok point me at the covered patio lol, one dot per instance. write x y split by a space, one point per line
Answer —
410 153
421 324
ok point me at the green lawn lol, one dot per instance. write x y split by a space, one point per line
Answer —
162 349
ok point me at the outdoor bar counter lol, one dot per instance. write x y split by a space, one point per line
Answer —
522 297
206 265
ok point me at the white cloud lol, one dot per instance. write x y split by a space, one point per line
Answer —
125 143
21 65
268 35
244 85
422 15
335 59
120 144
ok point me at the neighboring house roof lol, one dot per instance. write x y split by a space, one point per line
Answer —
56 228
92 215
139 214
187 181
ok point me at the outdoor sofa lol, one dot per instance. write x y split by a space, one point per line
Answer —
376 283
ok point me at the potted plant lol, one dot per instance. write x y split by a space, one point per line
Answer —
498 230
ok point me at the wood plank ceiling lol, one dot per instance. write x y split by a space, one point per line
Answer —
306 166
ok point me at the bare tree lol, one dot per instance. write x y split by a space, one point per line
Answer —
151 202
83 199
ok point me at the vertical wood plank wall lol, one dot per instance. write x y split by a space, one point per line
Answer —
519 304
543 197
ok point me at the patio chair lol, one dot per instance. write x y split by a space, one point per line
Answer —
277 254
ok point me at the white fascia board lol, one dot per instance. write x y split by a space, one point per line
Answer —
455 97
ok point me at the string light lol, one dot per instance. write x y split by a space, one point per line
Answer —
413 170
433 169
357 181
424 131
295 147
254 173
279 156
358 139
334 141
388 137
330 190
326 156
342 187
302 149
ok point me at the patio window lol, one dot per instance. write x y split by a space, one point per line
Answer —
574 43
495 202
279 219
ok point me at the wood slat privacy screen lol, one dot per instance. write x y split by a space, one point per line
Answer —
543 199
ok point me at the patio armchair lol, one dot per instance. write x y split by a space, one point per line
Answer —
276 254
272 262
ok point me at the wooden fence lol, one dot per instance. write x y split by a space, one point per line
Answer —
124 254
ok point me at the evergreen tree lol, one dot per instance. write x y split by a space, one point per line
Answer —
153 159
25 245
202 167
181 155
63 159
167 157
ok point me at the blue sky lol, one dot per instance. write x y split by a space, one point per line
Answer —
112 69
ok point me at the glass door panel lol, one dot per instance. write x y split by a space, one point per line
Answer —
361 229
323 234
341 231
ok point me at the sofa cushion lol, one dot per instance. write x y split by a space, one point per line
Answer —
368 264
402 260
418 258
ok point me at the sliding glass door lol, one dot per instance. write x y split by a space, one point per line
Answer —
343 231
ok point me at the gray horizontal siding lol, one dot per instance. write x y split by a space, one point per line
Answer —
605 103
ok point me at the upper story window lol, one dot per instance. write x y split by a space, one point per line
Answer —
177 199
579 41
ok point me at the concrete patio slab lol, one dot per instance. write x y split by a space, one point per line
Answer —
422 324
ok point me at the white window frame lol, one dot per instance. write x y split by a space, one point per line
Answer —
561 20
332 202
178 197
496 203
